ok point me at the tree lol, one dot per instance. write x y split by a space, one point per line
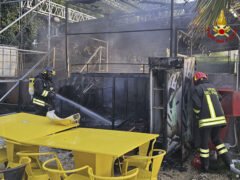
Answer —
9 13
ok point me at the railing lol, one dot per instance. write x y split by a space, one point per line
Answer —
98 57
112 68
91 58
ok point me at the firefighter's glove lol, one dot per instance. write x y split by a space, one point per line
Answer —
52 95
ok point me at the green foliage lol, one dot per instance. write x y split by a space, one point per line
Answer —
9 13
62 2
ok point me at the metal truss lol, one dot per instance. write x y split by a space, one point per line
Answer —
235 9
59 11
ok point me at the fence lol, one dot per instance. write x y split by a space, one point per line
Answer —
121 98
215 64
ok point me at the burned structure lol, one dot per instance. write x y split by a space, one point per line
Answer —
120 66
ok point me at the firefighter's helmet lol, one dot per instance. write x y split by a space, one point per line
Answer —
48 72
199 76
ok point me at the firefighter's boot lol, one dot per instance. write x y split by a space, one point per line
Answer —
204 155
223 152
227 159
205 164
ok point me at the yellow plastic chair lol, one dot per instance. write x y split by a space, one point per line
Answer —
150 171
143 151
15 173
130 175
3 154
12 147
56 174
34 170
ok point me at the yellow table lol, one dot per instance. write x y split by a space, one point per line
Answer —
95 147
21 127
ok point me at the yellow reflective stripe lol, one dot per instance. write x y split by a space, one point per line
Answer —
212 123
38 102
210 105
45 93
220 146
204 150
196 111
51 88
223 151
212 119
41 102
204 155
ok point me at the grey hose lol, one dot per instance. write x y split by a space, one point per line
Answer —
233 168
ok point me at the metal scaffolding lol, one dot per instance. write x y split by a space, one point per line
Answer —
58 11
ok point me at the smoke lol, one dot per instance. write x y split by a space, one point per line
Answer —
134 36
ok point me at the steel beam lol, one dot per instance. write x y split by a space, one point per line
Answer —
58 10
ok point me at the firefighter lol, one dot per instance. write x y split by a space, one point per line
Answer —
209 113
44 94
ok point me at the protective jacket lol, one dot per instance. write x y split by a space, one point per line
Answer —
44 94
207 106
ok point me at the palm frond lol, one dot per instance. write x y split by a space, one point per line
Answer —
207 14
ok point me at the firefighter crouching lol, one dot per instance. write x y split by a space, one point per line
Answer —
209 113
44 93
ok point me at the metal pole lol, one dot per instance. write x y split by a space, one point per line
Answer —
20 22
151 100
113 102
176 43
66 39
107 55
54 58
191 47
238 64
171 27
49 29
100 59
20 99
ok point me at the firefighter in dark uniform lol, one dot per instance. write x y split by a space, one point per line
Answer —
44 94
209 113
